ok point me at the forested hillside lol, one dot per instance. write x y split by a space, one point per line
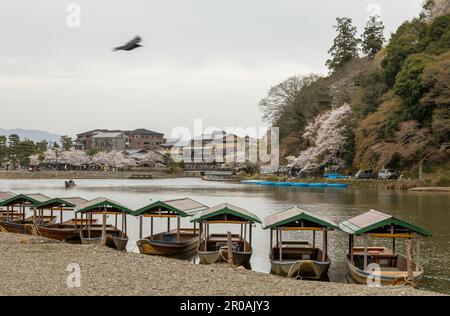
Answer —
383 105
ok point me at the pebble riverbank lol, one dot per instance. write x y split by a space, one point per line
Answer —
37 266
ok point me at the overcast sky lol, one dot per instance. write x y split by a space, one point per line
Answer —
209 59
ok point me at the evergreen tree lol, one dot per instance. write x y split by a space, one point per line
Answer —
13 146
3 149
66 142
345 46
373 37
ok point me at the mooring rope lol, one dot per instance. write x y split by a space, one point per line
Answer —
298 271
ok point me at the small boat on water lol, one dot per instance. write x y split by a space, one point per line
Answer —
369 264
107 235
232 248
299 259
70 184
179 242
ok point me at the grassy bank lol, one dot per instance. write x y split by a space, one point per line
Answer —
36 266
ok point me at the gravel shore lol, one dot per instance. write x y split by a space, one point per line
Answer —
36 266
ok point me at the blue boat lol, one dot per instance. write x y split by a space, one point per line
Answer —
337 185
317 185
299 184
251 181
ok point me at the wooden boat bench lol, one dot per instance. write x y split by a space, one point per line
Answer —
384 260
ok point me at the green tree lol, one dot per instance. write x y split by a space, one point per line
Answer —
407 40
409 87
13 148
373 37
41 147
345 46
25 149
3 149
66 142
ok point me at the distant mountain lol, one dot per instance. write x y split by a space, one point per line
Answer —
33 135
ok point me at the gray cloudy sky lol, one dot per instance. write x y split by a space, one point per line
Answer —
209 59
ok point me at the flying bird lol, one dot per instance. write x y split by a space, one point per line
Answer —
134 43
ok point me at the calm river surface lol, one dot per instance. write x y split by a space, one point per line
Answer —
428 210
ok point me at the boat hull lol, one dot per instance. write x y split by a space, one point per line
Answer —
304 269
166 244
60 232
217 251
22 227
113 238
387 276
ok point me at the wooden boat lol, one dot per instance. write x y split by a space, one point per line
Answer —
294 258
216 250
300 260
167 244
180 243
379 265
26 226
105 234
393 267
70 184
231 248
65 231
114 238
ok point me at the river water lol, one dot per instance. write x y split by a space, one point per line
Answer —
430 210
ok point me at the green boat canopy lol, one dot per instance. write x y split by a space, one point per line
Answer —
20 199
374 222
101 205
295 217
225 212
182 207
6 195
62 202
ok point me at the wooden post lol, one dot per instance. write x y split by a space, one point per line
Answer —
75 219
230 248
124 215
89 220
280 245
325 245
140 227
178 227
393 239
242 231
104 227
51 213
168 224
418 255
61 214
200 232
365 252
250 233
151 226
195 228
314 239
206 236
271 240
23 213
409 262
115 220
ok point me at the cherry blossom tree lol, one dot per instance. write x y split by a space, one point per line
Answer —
150 159
75 158
34 160
327 138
